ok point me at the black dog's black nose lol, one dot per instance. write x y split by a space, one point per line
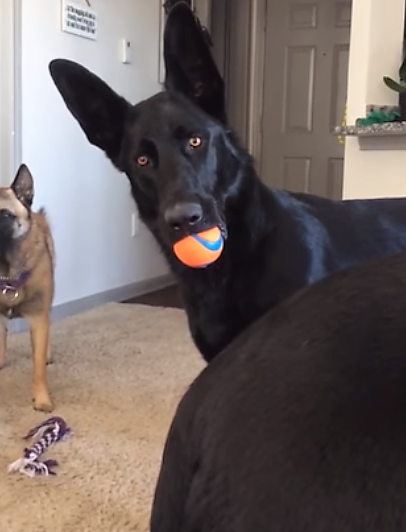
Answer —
183 214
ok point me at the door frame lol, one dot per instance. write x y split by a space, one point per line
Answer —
203 11
252 47
202 8
256 76
10 93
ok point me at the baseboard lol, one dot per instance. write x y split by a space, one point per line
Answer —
116 295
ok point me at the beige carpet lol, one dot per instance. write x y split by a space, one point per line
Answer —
119 372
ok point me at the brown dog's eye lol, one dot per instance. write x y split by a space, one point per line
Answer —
195 142
142 160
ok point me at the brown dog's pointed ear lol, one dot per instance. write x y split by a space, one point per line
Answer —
99 110
23 185
189 64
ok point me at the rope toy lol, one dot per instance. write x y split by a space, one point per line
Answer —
49 432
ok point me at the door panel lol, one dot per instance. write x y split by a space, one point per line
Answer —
305 89
339 85
335 178
298 105
296 173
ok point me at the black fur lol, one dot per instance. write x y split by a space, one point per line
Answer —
277 242
300 424
189 65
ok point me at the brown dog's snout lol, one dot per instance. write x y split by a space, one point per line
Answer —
6 220
6 214
183 215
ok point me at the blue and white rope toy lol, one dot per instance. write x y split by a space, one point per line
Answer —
49 432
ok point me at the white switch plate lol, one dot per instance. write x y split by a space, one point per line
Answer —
126 51
78 19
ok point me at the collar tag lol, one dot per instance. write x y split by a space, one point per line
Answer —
10 293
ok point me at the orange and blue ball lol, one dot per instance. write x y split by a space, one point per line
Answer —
200 249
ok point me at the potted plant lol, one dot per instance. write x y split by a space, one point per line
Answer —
399 86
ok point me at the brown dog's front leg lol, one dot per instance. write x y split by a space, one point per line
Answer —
3 342
39 326
50 357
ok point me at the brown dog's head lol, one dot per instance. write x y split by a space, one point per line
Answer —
15 209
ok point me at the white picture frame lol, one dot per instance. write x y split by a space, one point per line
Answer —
78 20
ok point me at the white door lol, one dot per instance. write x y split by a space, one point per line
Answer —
305 89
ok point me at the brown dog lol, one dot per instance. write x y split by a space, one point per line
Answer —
27 262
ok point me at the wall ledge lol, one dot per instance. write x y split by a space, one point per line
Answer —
116 295
387 129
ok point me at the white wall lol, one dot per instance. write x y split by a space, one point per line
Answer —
88 202
375 51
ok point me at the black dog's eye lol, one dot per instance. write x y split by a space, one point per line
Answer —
142 160
195 142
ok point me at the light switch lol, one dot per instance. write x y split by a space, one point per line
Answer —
126 51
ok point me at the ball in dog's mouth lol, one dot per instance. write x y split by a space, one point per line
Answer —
199 250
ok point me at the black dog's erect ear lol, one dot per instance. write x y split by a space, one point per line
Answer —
99 110
23 185
189 64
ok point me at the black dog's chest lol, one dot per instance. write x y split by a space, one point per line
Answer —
212 327
218 315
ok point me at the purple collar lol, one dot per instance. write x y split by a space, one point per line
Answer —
14 284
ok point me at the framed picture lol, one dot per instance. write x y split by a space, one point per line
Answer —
165 6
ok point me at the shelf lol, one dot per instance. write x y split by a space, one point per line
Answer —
388 129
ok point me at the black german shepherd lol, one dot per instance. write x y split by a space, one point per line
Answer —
188 172
300 424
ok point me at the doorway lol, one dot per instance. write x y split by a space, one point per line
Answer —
285 65
10 130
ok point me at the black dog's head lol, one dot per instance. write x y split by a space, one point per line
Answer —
171 145
15 210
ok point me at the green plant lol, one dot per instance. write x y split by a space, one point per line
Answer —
398 86
378 117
